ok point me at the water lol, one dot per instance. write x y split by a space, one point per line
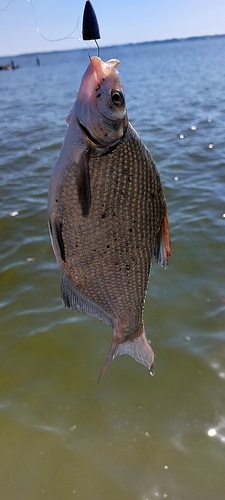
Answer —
131 437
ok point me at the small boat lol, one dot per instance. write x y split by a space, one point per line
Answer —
9 66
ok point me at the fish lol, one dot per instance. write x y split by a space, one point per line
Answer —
107 213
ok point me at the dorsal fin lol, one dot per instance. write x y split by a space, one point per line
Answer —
74 299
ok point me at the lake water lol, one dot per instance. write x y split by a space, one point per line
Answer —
132 436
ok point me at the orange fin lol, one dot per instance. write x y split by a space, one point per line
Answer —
139 348
162 244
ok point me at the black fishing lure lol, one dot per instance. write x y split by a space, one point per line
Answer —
90 28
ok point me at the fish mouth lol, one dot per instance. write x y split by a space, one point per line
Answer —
89 135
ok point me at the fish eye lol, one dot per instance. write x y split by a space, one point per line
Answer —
117 97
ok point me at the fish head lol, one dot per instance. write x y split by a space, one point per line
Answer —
100 104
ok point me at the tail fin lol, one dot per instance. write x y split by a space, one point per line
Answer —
139 348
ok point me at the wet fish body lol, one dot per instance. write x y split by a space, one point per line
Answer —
107 213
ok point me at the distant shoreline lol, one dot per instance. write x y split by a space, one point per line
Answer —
153 42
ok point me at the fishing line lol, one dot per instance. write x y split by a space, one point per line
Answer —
69 36
49 39
2 10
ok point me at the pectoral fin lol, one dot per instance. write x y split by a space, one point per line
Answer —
83 184
162 244
55 230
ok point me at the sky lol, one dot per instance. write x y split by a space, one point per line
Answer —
24 23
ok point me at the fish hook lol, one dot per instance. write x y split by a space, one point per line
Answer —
98 48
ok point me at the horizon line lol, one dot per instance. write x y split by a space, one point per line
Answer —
167 40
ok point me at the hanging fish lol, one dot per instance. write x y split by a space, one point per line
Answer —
107 213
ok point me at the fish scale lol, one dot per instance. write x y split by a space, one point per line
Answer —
106 246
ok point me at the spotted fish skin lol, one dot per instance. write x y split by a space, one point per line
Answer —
107 218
